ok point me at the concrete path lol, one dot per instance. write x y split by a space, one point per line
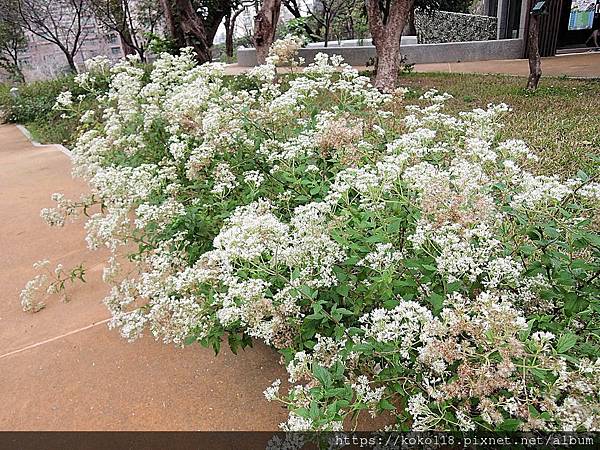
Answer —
579 65
62 369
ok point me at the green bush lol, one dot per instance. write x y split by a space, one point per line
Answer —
35 100
33 106
5 100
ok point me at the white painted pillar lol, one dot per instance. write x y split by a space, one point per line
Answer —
523 19
500 17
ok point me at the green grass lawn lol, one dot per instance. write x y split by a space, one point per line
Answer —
57 131
560 121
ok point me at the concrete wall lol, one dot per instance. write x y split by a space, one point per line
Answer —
418 53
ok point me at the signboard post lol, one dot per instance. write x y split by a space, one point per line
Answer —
533 38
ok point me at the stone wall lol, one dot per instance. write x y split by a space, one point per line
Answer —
441 26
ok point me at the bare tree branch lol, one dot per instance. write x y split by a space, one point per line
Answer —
60 22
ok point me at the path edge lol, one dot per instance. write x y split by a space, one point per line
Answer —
35 143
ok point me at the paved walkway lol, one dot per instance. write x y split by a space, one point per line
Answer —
62 369
579 65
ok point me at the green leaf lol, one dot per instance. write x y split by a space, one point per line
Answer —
574 304
437 301
339 370
582 175
343 290
315 316
566 342
527 250
336 392
314 410
309 344
534 412
190 340
390 304
234 342
302 412
322 375
340 273
592 238
551 231
306 290
363 348
394 226
523 335
510 425
542 375
385 404
354 331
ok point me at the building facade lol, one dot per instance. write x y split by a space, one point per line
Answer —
43 59
566 26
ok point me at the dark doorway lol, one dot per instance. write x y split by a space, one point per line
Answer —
513 19
509 17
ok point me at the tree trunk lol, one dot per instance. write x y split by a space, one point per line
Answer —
388 63
229 29
230 21
173 27
265 25
186 28
194 31
14 67
350 28
533 48
19 76
18 73
128 49
386 31
327 32
71 62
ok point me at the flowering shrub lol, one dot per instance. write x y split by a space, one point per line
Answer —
285 51
402 260
48 282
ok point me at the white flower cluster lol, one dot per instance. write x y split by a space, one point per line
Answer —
382 258
402 324
366 394
64 100
284 51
